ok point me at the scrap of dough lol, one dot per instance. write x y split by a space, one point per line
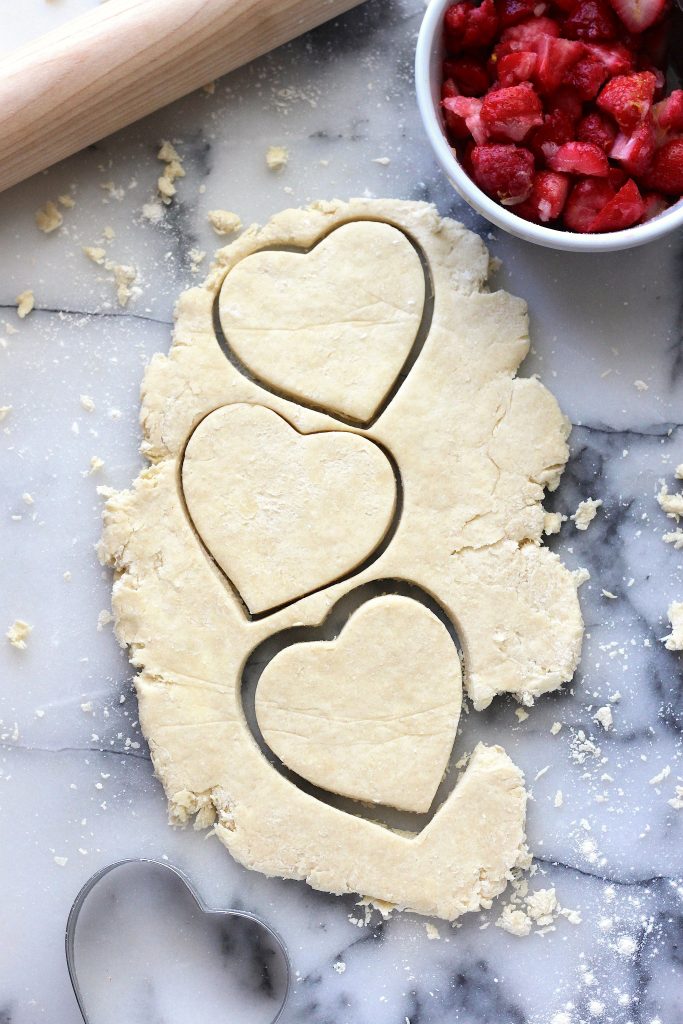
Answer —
321 326
224 222
25 303
49 218
284 513
372 714
674 640
672 504
18 634
675 537
476 449
586 513
276 158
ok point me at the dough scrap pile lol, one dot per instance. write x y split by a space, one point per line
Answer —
353 392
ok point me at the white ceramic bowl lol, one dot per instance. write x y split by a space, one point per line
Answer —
428 60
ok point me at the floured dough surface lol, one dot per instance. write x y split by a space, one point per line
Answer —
471 449
372 714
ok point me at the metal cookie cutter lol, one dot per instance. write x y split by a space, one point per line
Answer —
236 939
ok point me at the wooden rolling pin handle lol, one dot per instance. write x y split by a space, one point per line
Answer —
125 59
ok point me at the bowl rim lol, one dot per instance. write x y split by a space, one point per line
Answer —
428 52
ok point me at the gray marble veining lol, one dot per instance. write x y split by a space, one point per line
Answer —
75 777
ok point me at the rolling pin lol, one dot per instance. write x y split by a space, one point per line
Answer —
124 59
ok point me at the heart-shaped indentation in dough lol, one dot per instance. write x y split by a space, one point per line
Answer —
372 714
284 513
332 327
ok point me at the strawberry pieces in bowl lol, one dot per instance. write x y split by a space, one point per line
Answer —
558 109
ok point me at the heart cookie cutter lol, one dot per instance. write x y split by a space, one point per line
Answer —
277 946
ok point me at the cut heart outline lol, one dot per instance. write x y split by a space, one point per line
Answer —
372 556
329 629
276 945
421 334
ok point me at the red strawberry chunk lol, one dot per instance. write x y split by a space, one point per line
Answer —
514 68
622 211
591 20
666 173
567 100
467 27
617 177
526 35
596 128
635 152
470 75
654 205
668 113
464 110
588 197
555 58
617 58
547 199
587 75
513 11
504 172
509 114
580 158
557 128
628 98
637 15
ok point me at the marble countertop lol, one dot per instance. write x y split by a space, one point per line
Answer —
76 785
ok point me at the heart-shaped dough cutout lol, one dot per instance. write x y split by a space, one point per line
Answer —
333 327
284 513
371 715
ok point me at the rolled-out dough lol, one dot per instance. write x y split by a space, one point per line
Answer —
475 449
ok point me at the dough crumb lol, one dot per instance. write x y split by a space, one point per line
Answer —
672 504
95 253
87 403
586 513
678 472
674 640
660 776
173 169
68 202
276 158
339 966
559 799
514 921
25 303
521 714
675 538
555 728
552 522
677 801
209 88
432 931
18 634
608 594
604 717
48 218
224 222
60 861
124 277
96 464
384 161
640 385
5 410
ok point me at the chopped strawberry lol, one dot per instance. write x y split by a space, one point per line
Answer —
547 199
448 88
568 101
514 68
592 21
585 201
557 128
616 57
628 98
467 27
635 152
587 76
617 177
580 158
470 75
555 58
504 172
596 128
464 110
526 35
623 210
666 173
654 205
511 12
637 15
509 114
668 113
